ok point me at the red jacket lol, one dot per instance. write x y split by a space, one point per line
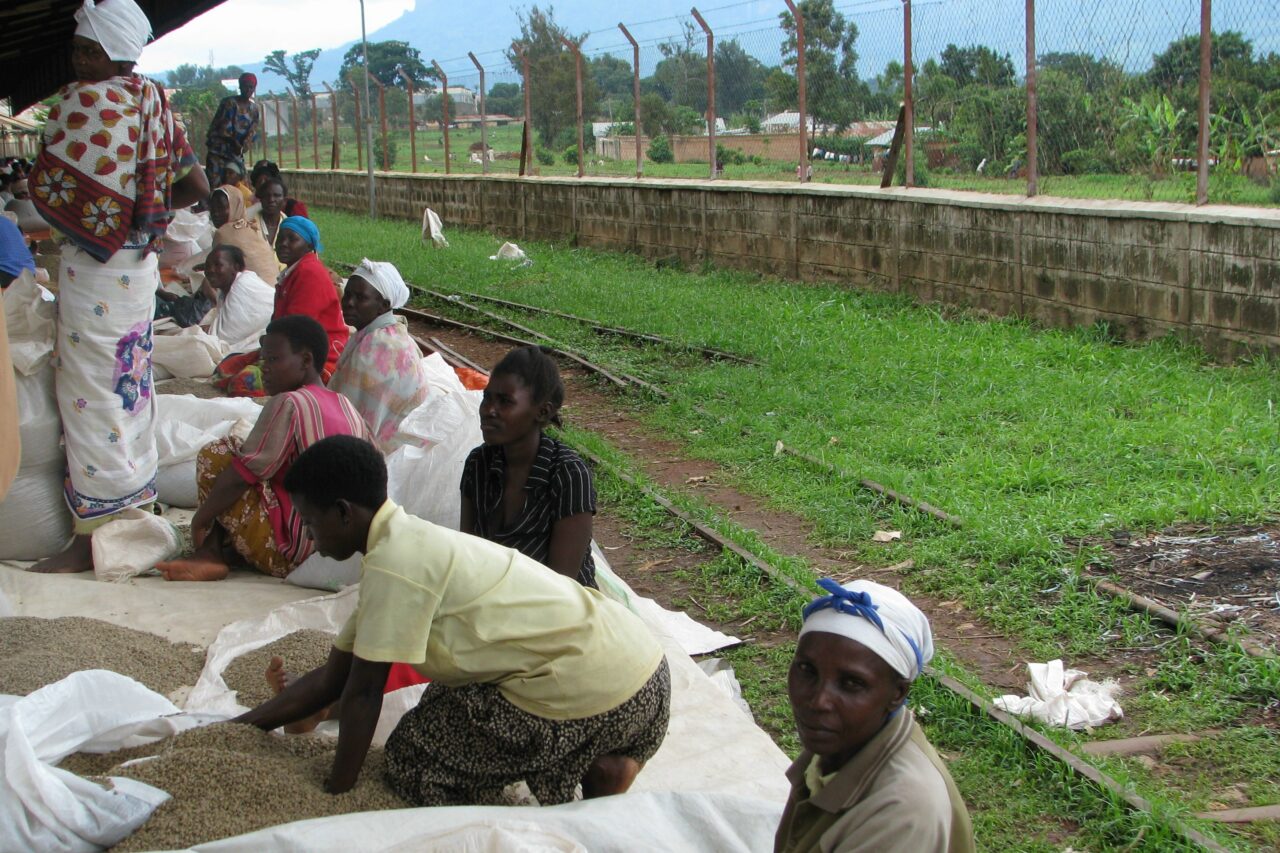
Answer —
307 289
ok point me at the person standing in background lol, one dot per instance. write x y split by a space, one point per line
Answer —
232 130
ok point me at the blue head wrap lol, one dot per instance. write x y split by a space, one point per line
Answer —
306 229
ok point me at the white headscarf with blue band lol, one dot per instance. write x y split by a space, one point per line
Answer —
880 618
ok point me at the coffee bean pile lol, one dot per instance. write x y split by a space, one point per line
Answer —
35 652
302 651
228 779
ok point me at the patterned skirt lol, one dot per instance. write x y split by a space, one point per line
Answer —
465 745
247 524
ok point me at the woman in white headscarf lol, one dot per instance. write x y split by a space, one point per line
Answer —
867 780
380 371
114 167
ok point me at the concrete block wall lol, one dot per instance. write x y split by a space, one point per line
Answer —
1209 274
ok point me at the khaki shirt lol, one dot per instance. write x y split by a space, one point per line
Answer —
463 610
894 795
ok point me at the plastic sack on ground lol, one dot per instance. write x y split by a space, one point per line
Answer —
44 808
184 424
131 544
30 316
509 252
432 227
189 234
424 470
1064 697
321 572
34 519
191 353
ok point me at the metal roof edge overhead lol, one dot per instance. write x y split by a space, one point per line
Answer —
35 54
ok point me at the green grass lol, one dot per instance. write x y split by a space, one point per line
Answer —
1177 187
1019 799
1033 436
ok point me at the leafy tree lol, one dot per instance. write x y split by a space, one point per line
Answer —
201 76
1179 64
386 60
505 99
551 67
739 78
296 71
936 95
681 75
655 115
660 150
834 95
1096 75
977 64
781 91
433 109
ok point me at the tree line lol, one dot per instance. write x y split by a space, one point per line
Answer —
1094 115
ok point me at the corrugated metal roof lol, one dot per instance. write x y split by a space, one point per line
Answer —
35 41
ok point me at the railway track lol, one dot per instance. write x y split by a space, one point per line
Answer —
706 530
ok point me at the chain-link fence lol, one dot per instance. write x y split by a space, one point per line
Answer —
1098 99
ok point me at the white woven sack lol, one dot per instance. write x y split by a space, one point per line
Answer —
132 544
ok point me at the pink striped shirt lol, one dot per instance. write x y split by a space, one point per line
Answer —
289 424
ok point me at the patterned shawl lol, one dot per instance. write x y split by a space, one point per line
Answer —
112 151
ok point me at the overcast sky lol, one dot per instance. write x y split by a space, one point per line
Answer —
244 31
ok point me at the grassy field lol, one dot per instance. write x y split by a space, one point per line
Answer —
1180 187
1033 436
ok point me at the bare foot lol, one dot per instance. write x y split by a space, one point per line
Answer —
608 775
279 680
194 568
77 558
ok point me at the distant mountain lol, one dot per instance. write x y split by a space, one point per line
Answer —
447 31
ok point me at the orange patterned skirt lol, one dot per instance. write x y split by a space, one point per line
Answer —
246 522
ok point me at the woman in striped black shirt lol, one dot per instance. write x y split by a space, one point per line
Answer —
522 488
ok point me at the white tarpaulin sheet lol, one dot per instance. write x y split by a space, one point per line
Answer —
653 822
717 783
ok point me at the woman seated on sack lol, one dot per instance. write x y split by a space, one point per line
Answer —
380 370
533 677
867 780
246 516
305 288
244 301
234 228
522 488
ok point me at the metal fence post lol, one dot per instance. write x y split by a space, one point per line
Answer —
315 133
444 110
802 169
262 123
335 148
577 80
279 132
1033 121
635 82
908 102
355 93
382 122
1202 142
711 90
526 142
297 154
413 124
484 135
